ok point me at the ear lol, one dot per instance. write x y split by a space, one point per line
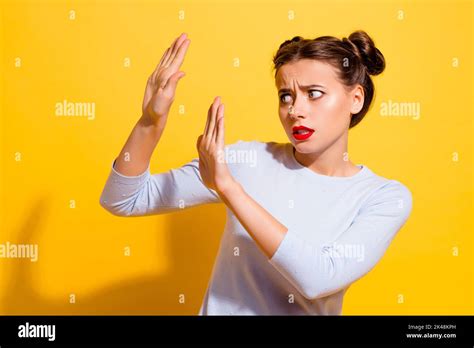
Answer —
357 99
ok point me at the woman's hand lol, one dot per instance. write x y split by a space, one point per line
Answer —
161 86
210 145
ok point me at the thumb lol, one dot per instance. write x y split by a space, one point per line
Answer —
173 80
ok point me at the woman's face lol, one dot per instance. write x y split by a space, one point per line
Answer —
319 101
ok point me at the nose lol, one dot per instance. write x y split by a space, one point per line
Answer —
296 109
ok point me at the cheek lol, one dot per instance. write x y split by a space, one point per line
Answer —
283 115
331 112
331 106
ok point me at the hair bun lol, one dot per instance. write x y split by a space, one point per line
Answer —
365 49
294 39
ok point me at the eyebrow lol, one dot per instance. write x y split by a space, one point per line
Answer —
303 87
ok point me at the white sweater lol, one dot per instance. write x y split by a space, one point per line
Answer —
338 228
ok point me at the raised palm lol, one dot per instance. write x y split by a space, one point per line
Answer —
161 85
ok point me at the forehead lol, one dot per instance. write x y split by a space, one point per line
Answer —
306 72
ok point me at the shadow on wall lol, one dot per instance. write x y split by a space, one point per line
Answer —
193 247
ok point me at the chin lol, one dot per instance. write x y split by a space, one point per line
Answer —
304 146
308 146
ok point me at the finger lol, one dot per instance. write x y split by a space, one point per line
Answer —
182 41
178 58
173 81
167 61
198 142
162 59
152 79
220 131
212 121
168 53
173 49
219 113
162 62
207 120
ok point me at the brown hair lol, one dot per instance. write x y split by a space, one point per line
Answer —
355 59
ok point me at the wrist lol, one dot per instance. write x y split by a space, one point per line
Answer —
228 188
151 121
147 123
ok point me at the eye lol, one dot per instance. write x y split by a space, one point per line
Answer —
315 90
282 96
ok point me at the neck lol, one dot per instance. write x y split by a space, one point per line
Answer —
331 161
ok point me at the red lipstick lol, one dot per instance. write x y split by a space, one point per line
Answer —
302 132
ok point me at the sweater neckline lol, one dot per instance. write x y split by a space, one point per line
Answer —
306 171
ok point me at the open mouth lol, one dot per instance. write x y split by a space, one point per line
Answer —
302 132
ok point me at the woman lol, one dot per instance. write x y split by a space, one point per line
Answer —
303 221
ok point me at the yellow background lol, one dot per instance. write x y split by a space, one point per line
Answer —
81 249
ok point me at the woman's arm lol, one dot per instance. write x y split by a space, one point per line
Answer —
320 270
130 189
265 230
150 194
134 158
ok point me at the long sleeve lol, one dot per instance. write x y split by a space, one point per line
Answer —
148 194
321 270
